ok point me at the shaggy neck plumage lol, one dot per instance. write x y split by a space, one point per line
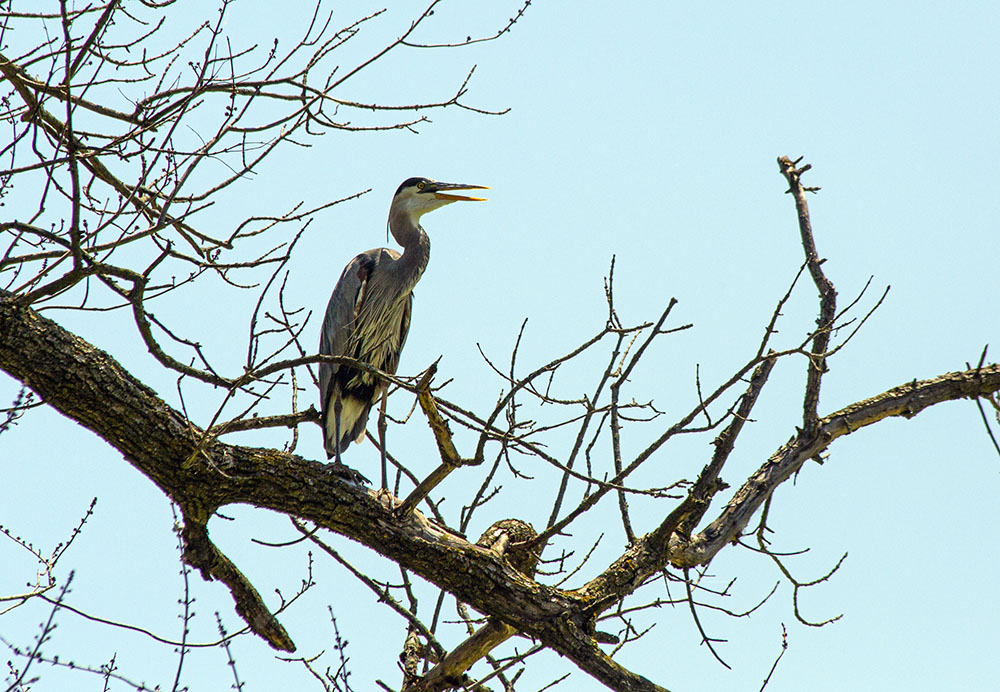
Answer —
416 246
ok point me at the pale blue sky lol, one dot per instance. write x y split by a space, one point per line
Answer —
648 131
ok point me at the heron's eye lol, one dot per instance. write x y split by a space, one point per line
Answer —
420 186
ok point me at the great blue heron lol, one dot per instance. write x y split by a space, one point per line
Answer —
369 314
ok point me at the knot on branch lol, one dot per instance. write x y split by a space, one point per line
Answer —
509 538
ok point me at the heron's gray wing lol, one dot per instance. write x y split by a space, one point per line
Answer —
339 322
404 329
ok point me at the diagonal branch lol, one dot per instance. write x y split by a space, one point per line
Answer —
450 458
905 401
827 293
650 553
200 552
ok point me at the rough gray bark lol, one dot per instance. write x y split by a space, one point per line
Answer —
89 386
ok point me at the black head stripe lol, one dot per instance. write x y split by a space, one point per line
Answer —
411 182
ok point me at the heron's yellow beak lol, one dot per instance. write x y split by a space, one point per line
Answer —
438 187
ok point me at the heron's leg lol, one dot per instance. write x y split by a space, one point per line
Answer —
381 438
338 406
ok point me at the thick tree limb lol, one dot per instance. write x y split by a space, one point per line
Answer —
501 537
90 387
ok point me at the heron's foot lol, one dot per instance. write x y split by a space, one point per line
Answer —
346 472
387 499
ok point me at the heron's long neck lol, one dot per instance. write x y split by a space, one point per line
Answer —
416 248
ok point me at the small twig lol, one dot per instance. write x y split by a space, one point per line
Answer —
705 639
382 592
231 660
979 403
784 648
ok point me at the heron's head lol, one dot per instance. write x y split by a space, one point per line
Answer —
417 196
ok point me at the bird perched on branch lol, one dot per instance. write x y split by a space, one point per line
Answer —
368 315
